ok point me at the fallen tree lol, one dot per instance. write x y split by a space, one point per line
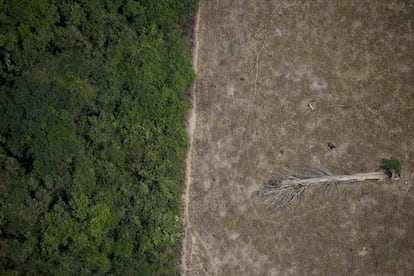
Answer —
284 190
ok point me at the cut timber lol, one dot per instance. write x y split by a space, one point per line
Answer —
334 178
285 190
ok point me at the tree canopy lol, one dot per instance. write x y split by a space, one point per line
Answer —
92 140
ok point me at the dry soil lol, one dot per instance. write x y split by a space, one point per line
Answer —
260 63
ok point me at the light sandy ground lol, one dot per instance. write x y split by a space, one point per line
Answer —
259 65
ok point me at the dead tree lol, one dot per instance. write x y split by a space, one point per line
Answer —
284 189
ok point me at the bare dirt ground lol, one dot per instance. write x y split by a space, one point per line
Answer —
259 65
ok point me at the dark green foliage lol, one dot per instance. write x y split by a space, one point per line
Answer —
394 165
92 141
26 28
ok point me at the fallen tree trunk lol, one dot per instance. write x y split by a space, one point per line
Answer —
285 190
336 178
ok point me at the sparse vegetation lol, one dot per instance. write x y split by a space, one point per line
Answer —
247 130
394 165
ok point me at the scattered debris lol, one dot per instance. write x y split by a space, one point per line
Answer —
363 252
312 105
343 105
331 146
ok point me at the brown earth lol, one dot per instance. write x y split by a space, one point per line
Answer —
259 65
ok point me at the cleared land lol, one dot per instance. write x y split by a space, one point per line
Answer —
259 65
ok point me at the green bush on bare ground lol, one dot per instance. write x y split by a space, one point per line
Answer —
92 141
394 165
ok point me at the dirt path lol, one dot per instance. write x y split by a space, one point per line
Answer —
186 246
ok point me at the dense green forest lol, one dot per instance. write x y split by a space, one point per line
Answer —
92 140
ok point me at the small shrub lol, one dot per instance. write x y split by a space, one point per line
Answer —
394 165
